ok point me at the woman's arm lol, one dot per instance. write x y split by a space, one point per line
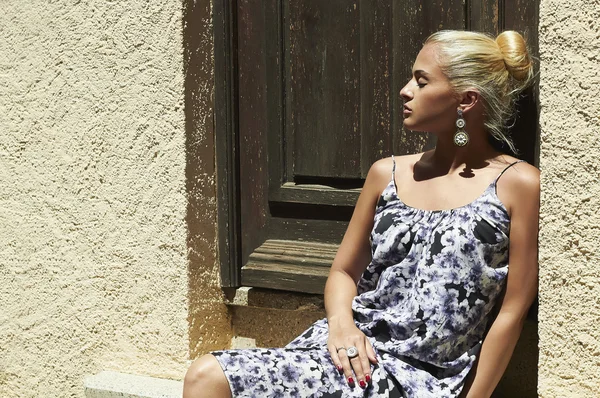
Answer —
354 253
521 192
352 258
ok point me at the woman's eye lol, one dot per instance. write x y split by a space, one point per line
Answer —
421 84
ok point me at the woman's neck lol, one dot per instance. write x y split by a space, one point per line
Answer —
447 157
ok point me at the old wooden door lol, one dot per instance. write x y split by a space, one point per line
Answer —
307 98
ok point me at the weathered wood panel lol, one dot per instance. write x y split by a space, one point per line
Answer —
290 265
315 195
522 16
252 102
323 87
324 231
279 161
226 138
296 278
484 16
376 76
319 101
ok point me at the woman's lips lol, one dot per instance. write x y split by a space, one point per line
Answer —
407 110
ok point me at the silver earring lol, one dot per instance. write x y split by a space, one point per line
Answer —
461 138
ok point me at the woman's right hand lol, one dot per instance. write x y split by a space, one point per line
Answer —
351 260
343 335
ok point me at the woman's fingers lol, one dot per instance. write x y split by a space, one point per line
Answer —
357 366
365 364
347 367
359 361
335 357
357 370
370 352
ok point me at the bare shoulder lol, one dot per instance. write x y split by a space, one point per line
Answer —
522 175
379 176
519 186
382 169
380 173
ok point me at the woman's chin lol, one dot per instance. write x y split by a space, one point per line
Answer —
411 126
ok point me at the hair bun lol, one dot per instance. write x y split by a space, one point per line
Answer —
516 56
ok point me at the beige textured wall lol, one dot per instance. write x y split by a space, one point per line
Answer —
569 326
93 254
101 102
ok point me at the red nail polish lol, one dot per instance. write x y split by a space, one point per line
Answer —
350 380
368 378
339 368
362 384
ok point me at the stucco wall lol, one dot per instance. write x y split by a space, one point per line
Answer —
93 253
569 326
106 264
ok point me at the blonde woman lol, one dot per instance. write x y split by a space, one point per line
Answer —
424 298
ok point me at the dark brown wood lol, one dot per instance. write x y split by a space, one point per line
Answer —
304 229
319 101
376 77
292 252
375 100
226 136
279 162
290 265
314 195
252 125
522 16
484 16
323 87
296 278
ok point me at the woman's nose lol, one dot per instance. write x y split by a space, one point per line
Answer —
406 92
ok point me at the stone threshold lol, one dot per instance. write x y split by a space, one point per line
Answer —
273 299
109 384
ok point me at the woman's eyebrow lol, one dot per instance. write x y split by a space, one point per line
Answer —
421 72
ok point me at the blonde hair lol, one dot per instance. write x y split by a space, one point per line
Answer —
498 69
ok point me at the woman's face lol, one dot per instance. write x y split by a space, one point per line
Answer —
430 104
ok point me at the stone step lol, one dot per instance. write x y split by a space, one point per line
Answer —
110 384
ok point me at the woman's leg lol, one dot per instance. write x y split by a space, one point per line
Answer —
205 378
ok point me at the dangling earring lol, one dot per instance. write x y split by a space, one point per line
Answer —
461 138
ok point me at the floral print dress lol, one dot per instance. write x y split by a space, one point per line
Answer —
423 302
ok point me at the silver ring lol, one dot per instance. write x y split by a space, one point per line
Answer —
340 348
352 352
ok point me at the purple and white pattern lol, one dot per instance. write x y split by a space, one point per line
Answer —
423 302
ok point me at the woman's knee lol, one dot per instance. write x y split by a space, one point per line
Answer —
205 374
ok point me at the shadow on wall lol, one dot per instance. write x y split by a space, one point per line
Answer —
208 318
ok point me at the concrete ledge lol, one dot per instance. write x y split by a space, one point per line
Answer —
274 299
114 384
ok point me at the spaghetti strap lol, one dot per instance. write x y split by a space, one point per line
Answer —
506 168
393 168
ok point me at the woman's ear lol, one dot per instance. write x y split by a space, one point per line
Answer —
469 99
